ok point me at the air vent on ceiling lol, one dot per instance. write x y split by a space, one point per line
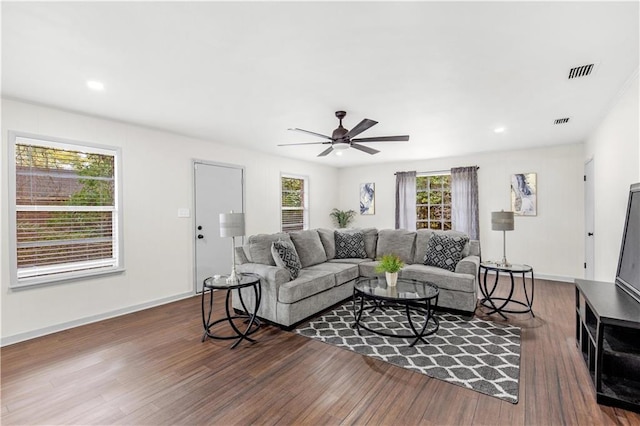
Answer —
561 120
581 71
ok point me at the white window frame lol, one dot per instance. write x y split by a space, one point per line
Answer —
305 199
441 173
27 277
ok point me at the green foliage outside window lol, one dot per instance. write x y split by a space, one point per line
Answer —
293 199
292 192
433 202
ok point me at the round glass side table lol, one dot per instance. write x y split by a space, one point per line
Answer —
251 281
501 304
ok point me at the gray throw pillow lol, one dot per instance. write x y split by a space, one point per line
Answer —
285 256
445 251
350 245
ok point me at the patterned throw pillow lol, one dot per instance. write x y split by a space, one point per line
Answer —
350 245
445 251
285 255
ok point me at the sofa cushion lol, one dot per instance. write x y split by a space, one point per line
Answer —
368 269
309 247
445 250
241 256
259 247
308 283
396 241
351 260
370 241
422 240
344 272
285 256
350 244
474 248
442 278
328 242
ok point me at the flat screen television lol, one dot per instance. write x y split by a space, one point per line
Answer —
628 274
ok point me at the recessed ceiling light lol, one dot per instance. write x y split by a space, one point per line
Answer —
95 85
499 129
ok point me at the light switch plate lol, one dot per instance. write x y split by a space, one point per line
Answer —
184 213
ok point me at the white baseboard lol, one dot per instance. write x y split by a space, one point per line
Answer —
20 337
556 278
547 277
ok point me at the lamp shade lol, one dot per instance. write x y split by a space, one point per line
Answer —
502 221
231 224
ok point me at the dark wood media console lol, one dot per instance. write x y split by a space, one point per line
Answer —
608 334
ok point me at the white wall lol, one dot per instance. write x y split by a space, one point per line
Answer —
551 242
615 149
157 181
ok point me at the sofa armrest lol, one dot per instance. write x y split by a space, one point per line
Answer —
272 276
469 265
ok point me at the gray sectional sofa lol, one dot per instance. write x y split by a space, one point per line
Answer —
325 280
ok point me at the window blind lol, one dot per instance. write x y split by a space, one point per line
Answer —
66 218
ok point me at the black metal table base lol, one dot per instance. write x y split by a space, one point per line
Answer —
502 305
252 321
424 309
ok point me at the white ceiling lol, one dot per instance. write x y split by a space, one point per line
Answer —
243 73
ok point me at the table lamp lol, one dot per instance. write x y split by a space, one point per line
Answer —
502 221
232 225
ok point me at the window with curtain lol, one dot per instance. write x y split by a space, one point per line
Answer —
65 212
294 202
433 201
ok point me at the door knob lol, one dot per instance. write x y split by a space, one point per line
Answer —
200 236
590 234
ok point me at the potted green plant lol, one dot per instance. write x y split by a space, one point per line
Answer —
390 264
342 217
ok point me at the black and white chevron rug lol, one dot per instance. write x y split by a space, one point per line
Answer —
476 354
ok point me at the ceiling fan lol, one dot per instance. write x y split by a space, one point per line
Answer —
342 138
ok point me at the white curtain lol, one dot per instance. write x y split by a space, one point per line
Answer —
464 201
406 201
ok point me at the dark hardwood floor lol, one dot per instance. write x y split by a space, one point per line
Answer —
151 368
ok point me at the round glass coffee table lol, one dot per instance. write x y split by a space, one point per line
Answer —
417 299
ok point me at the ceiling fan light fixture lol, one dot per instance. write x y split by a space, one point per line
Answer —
342 139
339 153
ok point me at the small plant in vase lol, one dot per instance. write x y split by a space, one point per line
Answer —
390 264
342 217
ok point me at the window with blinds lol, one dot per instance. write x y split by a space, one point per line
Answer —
293 203
65 220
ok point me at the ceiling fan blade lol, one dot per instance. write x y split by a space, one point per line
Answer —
311 133
326 152
304 143
361 127
403 138
364 148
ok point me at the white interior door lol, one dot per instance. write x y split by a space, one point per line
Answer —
219 189
589 222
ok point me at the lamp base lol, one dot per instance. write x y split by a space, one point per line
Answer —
234 278
503 263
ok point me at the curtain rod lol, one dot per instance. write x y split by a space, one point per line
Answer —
438 171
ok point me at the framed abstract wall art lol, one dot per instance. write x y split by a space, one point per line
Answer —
367 198
524 194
